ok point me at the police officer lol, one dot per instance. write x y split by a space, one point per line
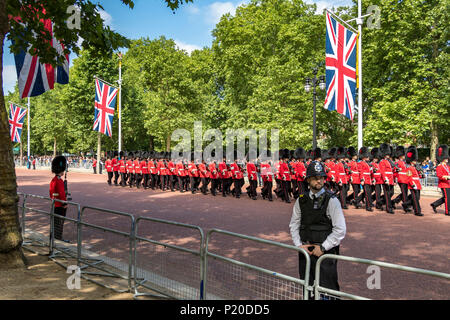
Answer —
318 226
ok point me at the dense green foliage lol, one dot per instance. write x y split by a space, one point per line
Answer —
253 77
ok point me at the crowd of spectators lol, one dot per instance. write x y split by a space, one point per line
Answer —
46 161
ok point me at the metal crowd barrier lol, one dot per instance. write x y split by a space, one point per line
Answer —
325 293
161 265
246 279
135 266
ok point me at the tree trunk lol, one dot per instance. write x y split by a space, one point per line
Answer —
434 139
54 147
10 235
151 143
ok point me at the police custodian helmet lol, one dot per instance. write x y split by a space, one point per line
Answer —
315 169
59 164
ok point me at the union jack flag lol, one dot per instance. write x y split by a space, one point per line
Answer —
35 78
16 119
105 100
340 68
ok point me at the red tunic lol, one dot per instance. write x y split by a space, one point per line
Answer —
108 165
365 172
376 174
341 175
144 167
213 173
354 176
443 170
402 178
57 191
413 178
115 164
386 172
266 172
252 172
192 170
181 171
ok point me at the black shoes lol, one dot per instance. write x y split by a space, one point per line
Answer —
434 208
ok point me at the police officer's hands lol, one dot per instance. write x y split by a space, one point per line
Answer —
315 252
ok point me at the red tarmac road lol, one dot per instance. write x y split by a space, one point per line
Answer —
405 239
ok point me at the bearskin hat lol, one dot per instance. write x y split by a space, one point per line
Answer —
59 164
399 151
300 153
375 153
341 153
442 152
364 153
385 150
351 152
325 155
316 153
332 152
411 154
309 154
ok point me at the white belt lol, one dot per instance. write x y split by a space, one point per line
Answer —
388 172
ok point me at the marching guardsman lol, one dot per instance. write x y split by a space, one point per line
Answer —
161 168
354 175
252 175
387 175
137 170
308 158
130 169
181 174
116 167
443 174
224 175
171 173
328 157
277 176
292 164
58 191
123 169
152 166
402 179
267 177
414 184
204 177
300 171
365 177
377 180
193 173
109 168
237 175
144 169
285 175
214 176
341 176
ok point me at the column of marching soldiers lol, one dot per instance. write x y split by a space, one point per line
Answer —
363 178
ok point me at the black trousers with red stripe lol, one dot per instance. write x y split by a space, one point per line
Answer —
414 201
387 194
403 196
444 200
378 198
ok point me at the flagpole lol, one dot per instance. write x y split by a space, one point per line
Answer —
359 21
120 102
28 129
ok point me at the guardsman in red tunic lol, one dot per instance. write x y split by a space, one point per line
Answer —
267 177
116 167
172 174
354 175
162 173
377 181
285 175
387 175
236 175
300 171
204 177
225 176
341 176
214 176
123 169
365 176
144 169
57 191
94 165
130 169
181 174
193 174
152 167
329 161
137 169
252 175
109 168
443 174
414 184
400 174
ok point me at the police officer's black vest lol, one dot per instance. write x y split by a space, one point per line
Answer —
315 226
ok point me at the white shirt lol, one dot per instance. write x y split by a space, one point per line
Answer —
334 213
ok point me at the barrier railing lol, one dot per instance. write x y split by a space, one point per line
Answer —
191 274
318 290
161 265
278 286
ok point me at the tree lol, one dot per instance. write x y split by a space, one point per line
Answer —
94 34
